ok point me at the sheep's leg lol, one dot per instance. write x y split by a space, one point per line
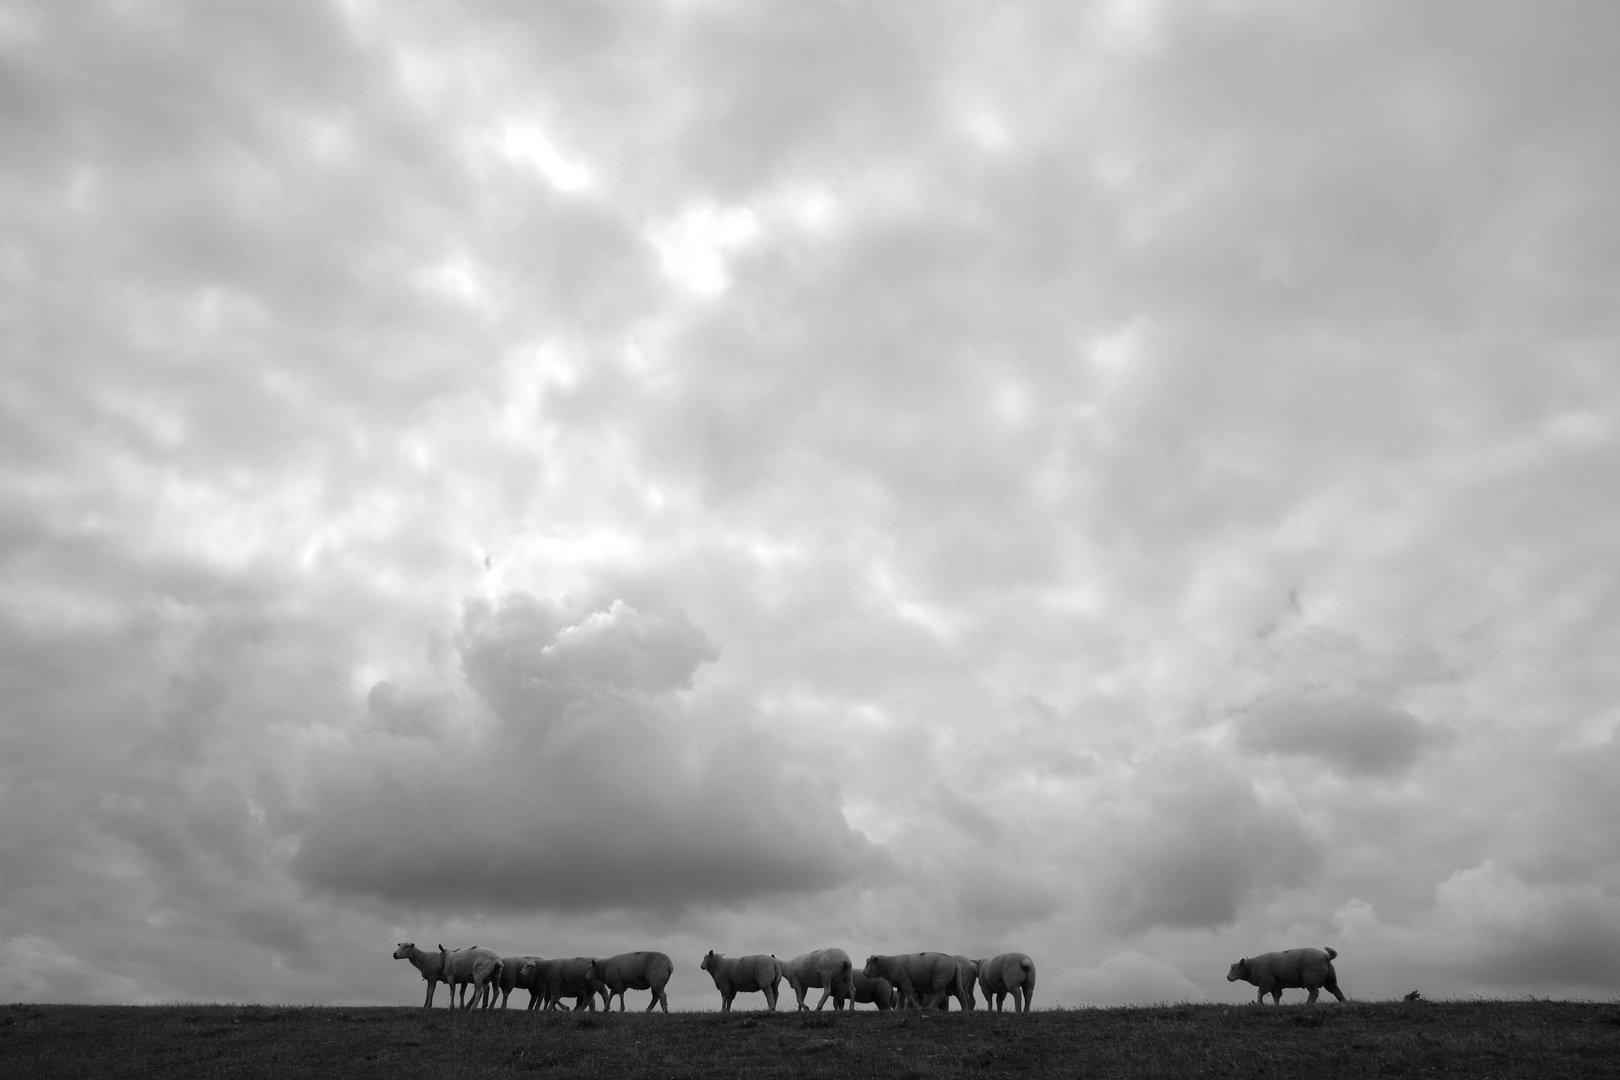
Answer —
825 992
1333 988
1311 1000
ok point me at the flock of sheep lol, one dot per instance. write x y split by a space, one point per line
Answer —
924 980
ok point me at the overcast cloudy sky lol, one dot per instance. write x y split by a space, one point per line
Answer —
1131 482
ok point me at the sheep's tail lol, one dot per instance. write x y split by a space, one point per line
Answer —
1331 951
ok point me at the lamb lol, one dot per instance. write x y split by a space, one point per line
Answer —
830 970
557 979
430 964
1006 974
477 966
916 975
745 975
516 974
1274 972
634 971
879 991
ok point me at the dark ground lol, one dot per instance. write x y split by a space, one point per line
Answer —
1475 1039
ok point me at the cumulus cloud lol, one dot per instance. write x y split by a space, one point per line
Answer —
589 785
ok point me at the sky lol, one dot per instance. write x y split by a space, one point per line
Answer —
1128 482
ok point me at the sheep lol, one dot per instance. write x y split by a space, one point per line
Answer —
743 975
477 966
634 971
1274 972
879 991
934 974
513 977
1006 974
967 972
830 970
557 979
430 964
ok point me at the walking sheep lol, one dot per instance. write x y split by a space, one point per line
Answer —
879 991
1274 972
430 964
743 975
918 975
557 979
830 970
475 966
1006 974
634 971
514 977
967 973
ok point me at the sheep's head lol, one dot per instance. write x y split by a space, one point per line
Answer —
709 960
871 968
404 951
1237 971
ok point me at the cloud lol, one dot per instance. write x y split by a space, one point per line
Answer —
1353 735
1184 842
591 785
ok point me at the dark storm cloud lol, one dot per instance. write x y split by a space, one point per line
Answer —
593 788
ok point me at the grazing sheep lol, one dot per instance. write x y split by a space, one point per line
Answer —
557 979
830 970
430 964
514 977
1274 972
743 975
879 992
1009 973
918 975
475 966
634 971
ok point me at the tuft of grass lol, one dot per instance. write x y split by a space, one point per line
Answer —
1500 1039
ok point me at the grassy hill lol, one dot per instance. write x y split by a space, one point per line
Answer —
1475 1039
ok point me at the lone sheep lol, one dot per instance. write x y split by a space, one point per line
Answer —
634 971
1009 973
743 975
1274 972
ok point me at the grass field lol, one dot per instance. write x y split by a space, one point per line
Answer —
1476 1039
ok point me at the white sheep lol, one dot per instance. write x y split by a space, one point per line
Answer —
1009 973
557 979
879 991
918 975
1274 972
830 970
634 971
743 975
475 966
513 977
430 964
967 974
